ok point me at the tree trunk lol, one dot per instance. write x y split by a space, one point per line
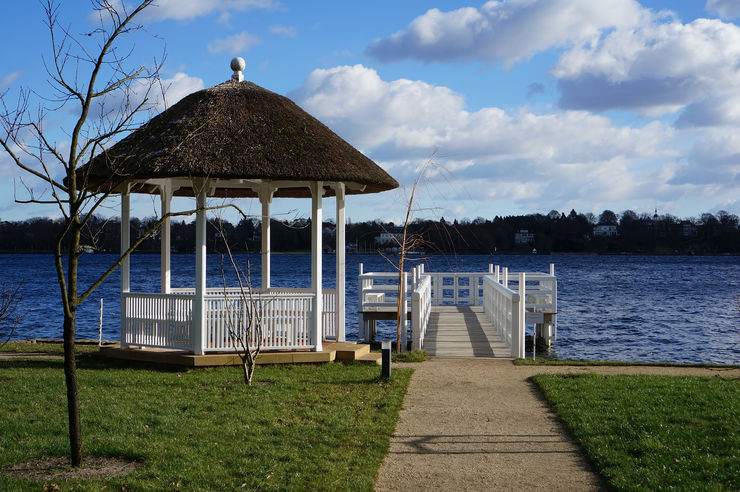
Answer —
73 398
70 363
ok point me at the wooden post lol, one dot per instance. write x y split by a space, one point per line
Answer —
100 326
340 263
505 281
200 186
165 194
317 191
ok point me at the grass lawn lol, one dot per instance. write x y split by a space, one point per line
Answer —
299 427
653 432
55 348
411 356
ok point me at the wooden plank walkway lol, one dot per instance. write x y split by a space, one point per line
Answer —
463 331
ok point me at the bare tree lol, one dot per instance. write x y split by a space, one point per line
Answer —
9 315
95 73
408 242
243 316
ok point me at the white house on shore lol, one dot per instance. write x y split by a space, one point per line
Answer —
605 230
523 236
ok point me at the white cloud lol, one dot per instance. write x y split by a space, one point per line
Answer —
9 79
177 87
508 30
234 45
657 67
496 154
191 9
713 161
727 9
284 31
159 96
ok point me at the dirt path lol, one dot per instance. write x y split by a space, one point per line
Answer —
478 424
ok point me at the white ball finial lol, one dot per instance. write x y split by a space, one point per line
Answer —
237 65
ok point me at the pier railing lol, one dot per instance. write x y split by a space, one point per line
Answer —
506 311
166 320
421 308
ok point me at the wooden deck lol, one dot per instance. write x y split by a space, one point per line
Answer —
333 351
463 331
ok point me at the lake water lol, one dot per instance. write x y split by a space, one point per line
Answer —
640 308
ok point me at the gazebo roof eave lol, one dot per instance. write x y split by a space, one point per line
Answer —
236 187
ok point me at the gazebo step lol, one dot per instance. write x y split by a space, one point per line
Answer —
348 351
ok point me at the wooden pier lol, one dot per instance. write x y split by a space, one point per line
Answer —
462 314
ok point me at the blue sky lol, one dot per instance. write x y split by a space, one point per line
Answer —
525 105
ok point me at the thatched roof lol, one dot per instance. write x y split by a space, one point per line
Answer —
237 130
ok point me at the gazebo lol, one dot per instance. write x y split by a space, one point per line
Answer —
234 140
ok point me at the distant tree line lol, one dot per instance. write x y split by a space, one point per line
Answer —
555 232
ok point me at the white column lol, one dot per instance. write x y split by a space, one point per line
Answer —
165 193
340 252
200 187
125 243
265 195
317 189
125 237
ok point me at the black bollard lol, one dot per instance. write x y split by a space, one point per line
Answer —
385 372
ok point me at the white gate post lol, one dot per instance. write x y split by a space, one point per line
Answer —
522 311
404 312
361 329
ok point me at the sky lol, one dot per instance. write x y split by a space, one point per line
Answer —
519 106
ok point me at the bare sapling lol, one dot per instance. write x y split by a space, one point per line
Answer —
408 242
10 318
243 314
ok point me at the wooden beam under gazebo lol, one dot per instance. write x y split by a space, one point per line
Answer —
234 140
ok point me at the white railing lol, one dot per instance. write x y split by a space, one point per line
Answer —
285 320
457 288
541 295
421 308
166 320
157 320
506 312
378 291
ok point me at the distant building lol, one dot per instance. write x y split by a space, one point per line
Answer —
392 238
524 237
605 230
688 229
